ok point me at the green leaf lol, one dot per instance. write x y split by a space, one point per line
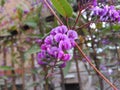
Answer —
19 12
63 7
67 68
2 2
31 24
6 68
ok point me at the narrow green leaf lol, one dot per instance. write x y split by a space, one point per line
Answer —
63 7
6 68
31 24
67 68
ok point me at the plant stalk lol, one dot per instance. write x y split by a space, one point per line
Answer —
83 54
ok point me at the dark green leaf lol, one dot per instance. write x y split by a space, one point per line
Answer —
63 7
2 2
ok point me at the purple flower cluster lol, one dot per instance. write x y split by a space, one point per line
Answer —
55 46
107 13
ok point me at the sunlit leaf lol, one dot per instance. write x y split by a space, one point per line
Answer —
63 7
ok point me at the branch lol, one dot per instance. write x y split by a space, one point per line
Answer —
82 53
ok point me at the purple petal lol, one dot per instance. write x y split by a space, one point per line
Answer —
65 45
49 39
53 51
61 29
72 34
66 57
63 65
60 54
58 37
45 46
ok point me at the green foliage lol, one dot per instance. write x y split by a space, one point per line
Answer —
67 68
5 68
63 7
2 2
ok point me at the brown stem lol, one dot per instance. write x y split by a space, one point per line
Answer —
95 59
4 57
76 21
62 79
82 53
78 72
33 75
117 55
61 23
22 61
46 78
13 71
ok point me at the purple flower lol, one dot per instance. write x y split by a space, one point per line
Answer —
105 41
96 10
58 37
94 2
26 11
49 39
45 46
103 67
53 32
66 57
40 62
61 29
72 43
40 56
60 54
55 46
65 45
63 65
107 13
53 51
72 34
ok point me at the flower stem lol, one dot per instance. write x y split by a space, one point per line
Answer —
114 87
76 21
82 53
61 23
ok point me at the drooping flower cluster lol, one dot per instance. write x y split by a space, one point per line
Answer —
107 13
55 46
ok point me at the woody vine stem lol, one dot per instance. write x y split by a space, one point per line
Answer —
81 52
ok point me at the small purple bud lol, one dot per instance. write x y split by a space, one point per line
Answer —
84 60
26 11
105 41
38 41
63 65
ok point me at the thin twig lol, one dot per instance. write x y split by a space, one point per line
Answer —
61 23
82 53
